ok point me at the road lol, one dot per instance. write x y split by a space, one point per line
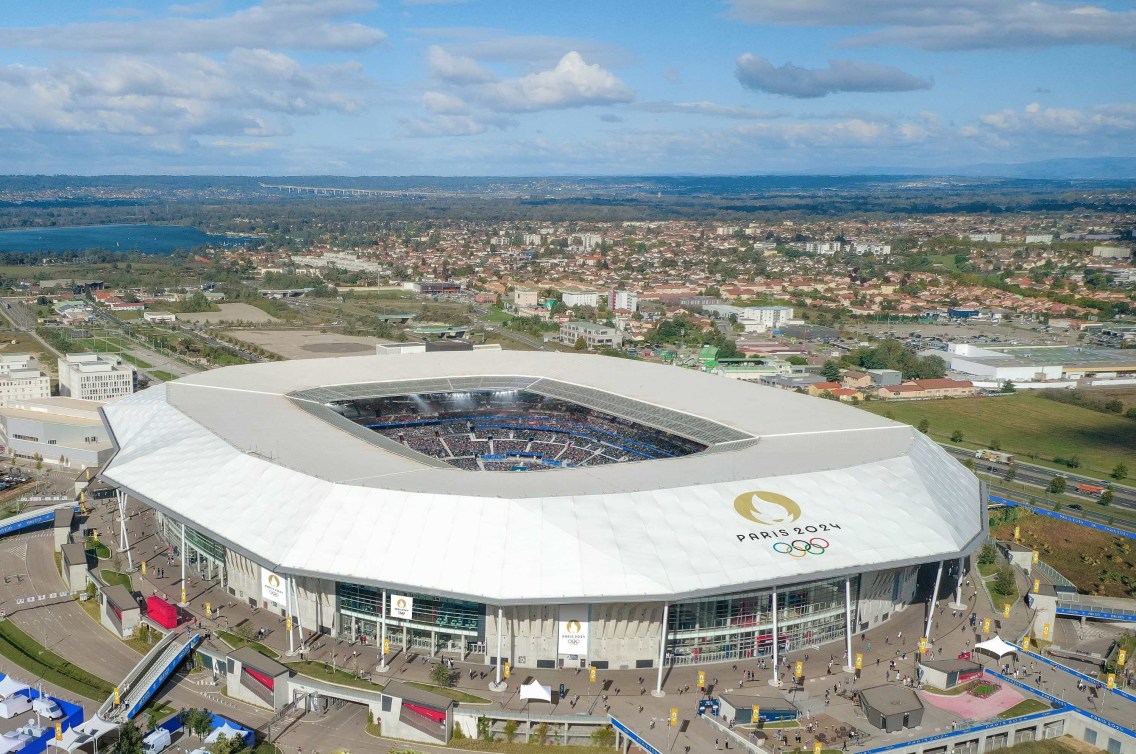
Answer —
1040 476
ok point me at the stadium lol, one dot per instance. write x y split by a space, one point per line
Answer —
551 510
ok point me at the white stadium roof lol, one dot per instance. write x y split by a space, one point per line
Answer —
248 456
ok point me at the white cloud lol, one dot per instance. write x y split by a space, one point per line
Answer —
1034 120
572 83
278 24
456 69
712 109
246 93
756 72
444 104
957 25
532 52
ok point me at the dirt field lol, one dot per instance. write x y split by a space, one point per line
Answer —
309 344
1096 562
231 313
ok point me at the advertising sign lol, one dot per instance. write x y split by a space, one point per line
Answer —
272 587
401 607
859 661
572 630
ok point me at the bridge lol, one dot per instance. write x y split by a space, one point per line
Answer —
402 319
442 331
336 191
32 518
148 675
283 292
1099 608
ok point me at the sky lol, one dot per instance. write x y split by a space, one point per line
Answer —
545 87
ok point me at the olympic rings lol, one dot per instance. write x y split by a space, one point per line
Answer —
799 548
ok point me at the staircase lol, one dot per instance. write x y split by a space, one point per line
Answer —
148 676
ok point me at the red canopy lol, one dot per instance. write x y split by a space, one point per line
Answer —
161 612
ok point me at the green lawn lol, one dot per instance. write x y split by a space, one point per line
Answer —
101 550
236 642
1024 707
1026 424
455 694
325 673
163 376
33 657
114 577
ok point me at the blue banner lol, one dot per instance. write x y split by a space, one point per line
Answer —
28 523
1062 517
1102 614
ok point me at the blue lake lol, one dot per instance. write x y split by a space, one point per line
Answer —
151 239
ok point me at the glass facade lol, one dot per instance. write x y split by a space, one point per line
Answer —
451 623
740 626
205 557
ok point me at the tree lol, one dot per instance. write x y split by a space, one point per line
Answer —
1008 387
510 730
797 361
831 371
1119 471
441 675
995 444
228 745
1011 472
197 721
956 436
129 739
603 737
1074 462
1056 485
580 344
1004 581
924 425
987 554
1106 497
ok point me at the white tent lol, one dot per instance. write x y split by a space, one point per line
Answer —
225 730
73 738
996 647
10 686
534 691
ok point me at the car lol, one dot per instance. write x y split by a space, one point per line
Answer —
1075 507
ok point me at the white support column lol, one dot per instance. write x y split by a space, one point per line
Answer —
958 604
850 666
934 600
500 632
297 624
776 643
123 535
288 612
383 634
658 692
184 598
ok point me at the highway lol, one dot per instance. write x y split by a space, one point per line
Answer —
1040 476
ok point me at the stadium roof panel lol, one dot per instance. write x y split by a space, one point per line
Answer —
232 454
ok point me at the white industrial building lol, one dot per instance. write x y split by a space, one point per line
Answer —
754 318
810 521
20 379
1112 252
1039 363
61 431
95 376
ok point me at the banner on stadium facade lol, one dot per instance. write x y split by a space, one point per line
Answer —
402 607
272 587
572 630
